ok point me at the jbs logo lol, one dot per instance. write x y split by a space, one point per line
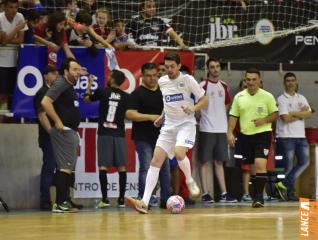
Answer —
174 97
219 31
83 82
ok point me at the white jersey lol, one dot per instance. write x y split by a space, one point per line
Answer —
176 94
9 55
213 118
286 104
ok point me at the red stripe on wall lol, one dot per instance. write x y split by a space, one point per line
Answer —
90 149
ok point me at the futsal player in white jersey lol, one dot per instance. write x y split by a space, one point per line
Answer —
178 130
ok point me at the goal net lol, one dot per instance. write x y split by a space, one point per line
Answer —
216 23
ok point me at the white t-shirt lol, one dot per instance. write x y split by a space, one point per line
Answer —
214 118
287 103
9 54
177 93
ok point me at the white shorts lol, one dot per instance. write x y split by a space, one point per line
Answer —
170 137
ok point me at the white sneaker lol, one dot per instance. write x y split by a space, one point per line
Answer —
193 189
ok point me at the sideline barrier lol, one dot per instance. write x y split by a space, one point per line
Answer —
33 59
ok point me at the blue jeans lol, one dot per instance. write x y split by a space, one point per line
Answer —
294 147
145 151
47 172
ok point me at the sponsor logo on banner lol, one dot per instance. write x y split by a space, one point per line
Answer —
306 40
222 29
264 31
87 174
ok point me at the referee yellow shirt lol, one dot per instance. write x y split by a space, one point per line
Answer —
251 107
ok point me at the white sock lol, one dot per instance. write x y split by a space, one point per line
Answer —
151 181
186 169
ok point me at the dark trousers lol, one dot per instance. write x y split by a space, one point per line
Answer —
47 172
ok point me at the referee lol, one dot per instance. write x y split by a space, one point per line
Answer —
256 110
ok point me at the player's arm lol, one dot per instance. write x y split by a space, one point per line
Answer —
287 118
47 104
177 38
231 126
99 38
268 119
88 93
203 102
44 121
304 113
134 115
16 36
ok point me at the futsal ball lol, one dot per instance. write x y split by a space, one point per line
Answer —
175 204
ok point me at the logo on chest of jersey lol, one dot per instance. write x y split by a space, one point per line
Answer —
174 97
114 96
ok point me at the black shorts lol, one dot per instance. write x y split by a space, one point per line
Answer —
254 146
111 151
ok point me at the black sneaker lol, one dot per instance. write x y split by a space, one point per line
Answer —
258 203
45 206
163 204
206 198
121 202
188 201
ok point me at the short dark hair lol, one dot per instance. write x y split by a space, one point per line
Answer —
148 66
289 74
66 65
172 57
118 20
48 69
118 76
253 70
32 15
84 17
211 59
5 2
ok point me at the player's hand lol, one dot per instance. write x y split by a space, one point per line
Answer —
59 126
230 139
158 122
21 24
184 47
187 110
53 46
91 78
153 118
259 122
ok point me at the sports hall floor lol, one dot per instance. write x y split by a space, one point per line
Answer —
218 221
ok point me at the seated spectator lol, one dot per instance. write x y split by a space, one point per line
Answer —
103 24
84 34
13 26
53 35
119 36
33 19
150 30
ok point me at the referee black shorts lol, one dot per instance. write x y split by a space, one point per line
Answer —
255 146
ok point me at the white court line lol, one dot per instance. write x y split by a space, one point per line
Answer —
250 214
